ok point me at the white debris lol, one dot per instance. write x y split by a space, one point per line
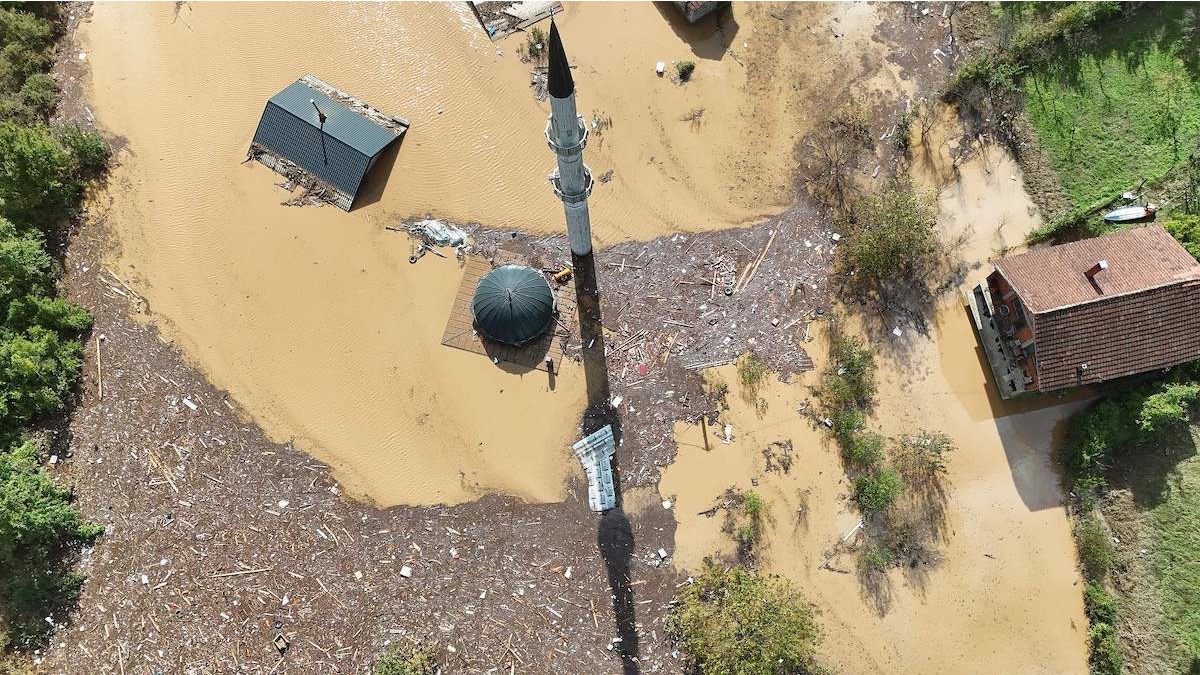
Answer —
836 237
358 575
660 67
897 332
189 404
54 459
594 453
662 553
567 573
728 433
283 503
145 580
666 503
406 572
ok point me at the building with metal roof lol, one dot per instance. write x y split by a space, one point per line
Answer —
329 135
513 304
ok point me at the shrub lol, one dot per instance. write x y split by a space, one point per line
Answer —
735 621
864 449
535 44
751 372
40 94
892 236
1095 548
1168 407
1099 604
847 423
685 69
922 456
90 152
878 558
1186 228
878 490
1105 656
397 661
851 381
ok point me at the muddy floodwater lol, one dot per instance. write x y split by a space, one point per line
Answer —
1005 593
312 318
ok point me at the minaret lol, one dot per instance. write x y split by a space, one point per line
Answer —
567 135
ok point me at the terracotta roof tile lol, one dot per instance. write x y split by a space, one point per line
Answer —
1138 259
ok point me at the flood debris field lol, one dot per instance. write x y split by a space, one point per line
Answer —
221 544
227 552
678 304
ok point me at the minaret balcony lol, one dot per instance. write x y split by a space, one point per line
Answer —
567 151
582 196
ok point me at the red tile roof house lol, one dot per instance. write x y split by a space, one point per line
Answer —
1089 311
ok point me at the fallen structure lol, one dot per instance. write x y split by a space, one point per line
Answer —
595 453
1089 311
323 139
694 11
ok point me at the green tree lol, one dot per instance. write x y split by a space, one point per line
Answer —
1168 407
38 525
37 183
37 369
735 622
25 267
1186 228
893 236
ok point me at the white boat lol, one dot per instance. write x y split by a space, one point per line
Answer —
1126 214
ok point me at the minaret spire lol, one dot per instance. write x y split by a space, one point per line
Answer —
567 135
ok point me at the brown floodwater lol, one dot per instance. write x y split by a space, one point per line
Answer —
311 318
1005 596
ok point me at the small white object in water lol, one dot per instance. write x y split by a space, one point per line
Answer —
897 332
83 56
728 433
666 503
660 67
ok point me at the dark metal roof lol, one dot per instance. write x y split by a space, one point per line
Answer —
559 80
513 304
340 156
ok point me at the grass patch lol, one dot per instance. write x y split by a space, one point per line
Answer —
1176 523
1114 108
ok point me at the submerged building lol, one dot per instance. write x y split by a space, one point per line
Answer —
333 138
513 305
1089 311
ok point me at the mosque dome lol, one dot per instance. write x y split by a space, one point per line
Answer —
513 304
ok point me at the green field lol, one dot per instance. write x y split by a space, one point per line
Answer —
1176 523
1120 107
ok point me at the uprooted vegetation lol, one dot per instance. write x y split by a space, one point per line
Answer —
745 521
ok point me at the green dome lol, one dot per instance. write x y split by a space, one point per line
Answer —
513 304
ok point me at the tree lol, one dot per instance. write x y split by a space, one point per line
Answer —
38 525
1168 407
37 369
37 185
25 267
735 622
893 237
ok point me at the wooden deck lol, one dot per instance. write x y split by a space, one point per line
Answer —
460 331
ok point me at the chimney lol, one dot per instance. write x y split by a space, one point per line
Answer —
1091 273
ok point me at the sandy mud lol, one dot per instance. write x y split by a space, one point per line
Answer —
1005 591
311 318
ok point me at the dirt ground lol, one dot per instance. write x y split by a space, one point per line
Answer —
224 535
